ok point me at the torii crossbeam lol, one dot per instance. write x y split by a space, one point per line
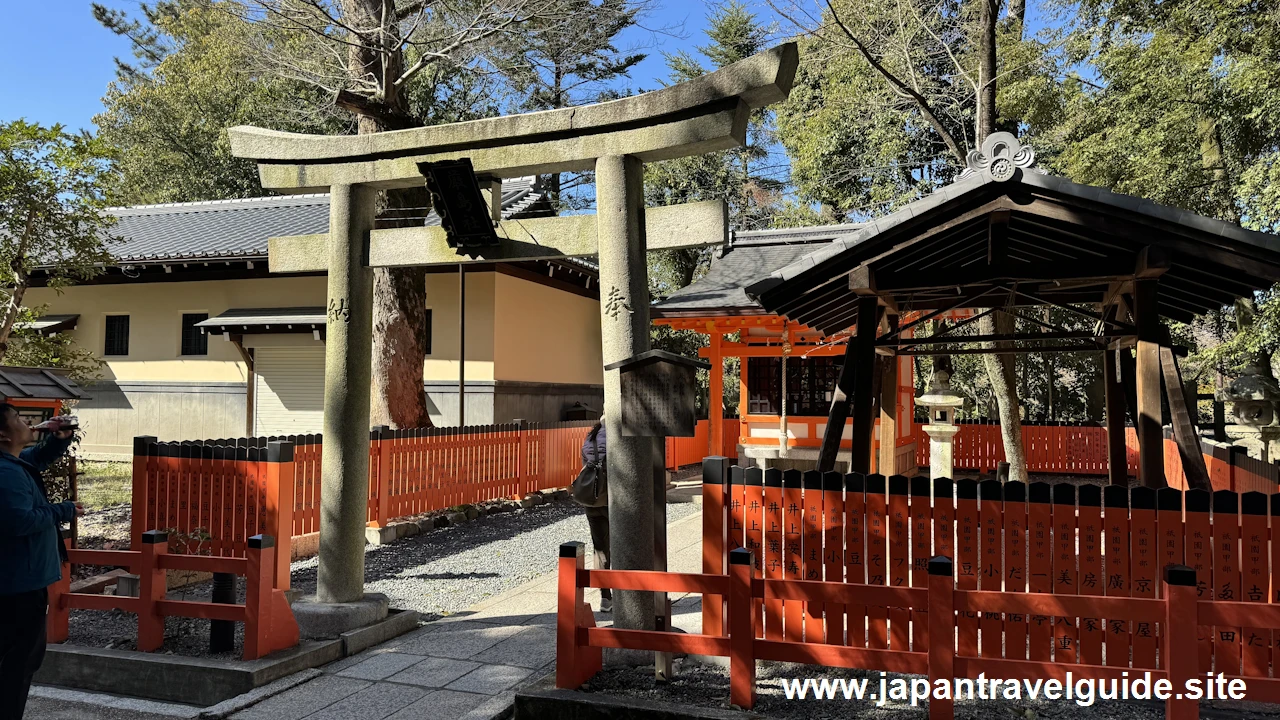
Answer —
614 139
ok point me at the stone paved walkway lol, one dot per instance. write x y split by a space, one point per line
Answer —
465 667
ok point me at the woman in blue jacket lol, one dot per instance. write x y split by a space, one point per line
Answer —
31 550
593 451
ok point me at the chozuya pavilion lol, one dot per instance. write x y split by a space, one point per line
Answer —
1004 236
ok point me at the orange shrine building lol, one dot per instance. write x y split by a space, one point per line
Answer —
788 371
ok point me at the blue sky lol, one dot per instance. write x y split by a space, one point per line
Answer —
63 82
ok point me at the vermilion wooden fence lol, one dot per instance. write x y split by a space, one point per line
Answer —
417 471
683 451
218 496
1092 541
1074 449
1067 448
233 488
936 609
269 624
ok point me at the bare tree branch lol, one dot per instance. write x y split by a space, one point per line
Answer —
922 103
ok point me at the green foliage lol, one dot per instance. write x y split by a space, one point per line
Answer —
51 203
857 143
571 58
1175 102
1182 106
168 115
51 211
741 177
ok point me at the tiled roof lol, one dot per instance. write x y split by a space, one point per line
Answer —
750 256
17 383
221 229
239 229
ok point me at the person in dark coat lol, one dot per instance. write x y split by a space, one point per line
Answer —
31 550
593 451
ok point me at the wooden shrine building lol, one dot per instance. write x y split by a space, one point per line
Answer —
1006 236
788 369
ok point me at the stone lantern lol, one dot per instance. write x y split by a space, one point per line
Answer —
1254 397
942 402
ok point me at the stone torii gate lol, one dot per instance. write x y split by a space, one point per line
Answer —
614 139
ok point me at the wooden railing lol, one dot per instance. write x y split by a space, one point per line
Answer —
226 490
928 632
1076 449
1081 449
682 451
216 496
417 471
1060 539
269 624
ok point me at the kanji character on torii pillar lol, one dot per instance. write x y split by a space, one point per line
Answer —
614 139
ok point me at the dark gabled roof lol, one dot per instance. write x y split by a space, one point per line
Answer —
750 256
239 229
27 383
1063 241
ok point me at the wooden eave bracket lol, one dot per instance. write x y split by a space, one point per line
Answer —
1153 261
862 282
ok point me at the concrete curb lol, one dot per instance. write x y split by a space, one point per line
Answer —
112 702
203 682
398 622
257 695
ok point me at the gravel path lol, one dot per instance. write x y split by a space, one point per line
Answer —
436 573
450 569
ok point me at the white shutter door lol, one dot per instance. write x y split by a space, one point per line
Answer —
289 390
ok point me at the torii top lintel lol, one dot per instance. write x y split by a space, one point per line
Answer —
701 115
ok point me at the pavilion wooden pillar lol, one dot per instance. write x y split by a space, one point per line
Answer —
855 386
1150 431
852 395
885 463
715 399
1117 455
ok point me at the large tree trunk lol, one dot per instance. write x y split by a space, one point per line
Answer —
397 395
398 398
1001 370
986 116
1003 377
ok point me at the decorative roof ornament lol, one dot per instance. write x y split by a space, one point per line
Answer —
1001 155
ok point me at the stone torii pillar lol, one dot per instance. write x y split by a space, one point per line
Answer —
615 139
347 378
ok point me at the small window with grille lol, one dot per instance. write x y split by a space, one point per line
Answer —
194 340
116 342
